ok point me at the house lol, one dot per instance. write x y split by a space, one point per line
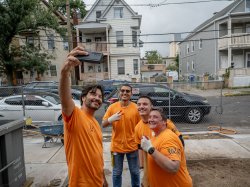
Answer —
219 44
150 72
113 28
50 42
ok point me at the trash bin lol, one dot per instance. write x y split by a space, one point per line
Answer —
12 166
191 78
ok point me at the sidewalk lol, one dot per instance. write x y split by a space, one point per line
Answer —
219 92
46 164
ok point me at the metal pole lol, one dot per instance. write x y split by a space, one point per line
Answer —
73 80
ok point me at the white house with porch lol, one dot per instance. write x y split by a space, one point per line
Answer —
113 28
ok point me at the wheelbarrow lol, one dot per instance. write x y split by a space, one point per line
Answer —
52 132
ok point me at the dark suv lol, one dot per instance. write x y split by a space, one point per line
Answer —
192 107
48 86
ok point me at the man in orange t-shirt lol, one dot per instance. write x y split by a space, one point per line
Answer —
166 158
123 116
82 133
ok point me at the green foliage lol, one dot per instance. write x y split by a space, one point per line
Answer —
153 57
175 66
172 67
26 16
227 73
76 6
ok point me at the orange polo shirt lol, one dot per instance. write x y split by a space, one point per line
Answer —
83 149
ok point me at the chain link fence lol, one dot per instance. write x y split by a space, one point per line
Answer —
189 102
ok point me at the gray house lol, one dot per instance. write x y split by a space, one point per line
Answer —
219 44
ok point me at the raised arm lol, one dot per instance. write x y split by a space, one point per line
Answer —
65 81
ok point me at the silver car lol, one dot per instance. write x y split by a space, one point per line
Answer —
39 107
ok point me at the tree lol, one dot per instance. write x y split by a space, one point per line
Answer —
175 66
76 6
18 17
153 57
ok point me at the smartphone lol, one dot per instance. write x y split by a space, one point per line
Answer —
96 57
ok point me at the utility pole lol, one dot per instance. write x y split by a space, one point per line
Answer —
70 42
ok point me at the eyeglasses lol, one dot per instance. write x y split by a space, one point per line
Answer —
127 91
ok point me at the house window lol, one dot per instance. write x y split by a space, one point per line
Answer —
187 66
135 65
187 48
248 60
53 71
119 38
118 12
30 40
121 66
134 38
88 40
193 66
192 46
51 42
65 43
247 5
200 44
98 14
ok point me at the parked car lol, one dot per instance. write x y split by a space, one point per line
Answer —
48 86
41 107
110 85
191 107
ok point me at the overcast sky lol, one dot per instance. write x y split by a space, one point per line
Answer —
172 18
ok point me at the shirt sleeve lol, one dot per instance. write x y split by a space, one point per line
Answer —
107 113
171 150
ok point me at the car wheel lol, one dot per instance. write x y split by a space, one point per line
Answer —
194 115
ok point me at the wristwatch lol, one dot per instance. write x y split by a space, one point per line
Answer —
151 150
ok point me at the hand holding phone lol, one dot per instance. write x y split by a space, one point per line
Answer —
91 57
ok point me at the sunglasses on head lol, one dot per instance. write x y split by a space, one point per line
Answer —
127 91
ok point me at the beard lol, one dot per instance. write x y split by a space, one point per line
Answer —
93 104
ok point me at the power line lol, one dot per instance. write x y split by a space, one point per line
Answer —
161 34
161 4
148 42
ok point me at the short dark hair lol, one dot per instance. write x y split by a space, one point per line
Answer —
160 110
91 88
146 97
128 85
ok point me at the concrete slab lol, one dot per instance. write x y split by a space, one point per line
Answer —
214 148
59 156
44 164
34 153
44 173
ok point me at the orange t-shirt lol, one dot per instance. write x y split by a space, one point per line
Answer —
169 145
84 150
123 130
172 127
142 129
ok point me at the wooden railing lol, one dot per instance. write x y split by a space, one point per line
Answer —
237 40
96 46
94 76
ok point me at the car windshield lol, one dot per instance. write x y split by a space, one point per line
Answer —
53 99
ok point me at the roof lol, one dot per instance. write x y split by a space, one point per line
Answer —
108 8
218 15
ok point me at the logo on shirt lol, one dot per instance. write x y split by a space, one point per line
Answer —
173 150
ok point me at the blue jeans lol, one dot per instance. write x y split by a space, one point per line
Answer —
133 164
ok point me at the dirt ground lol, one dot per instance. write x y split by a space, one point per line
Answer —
220 172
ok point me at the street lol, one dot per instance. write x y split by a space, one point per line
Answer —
235 114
